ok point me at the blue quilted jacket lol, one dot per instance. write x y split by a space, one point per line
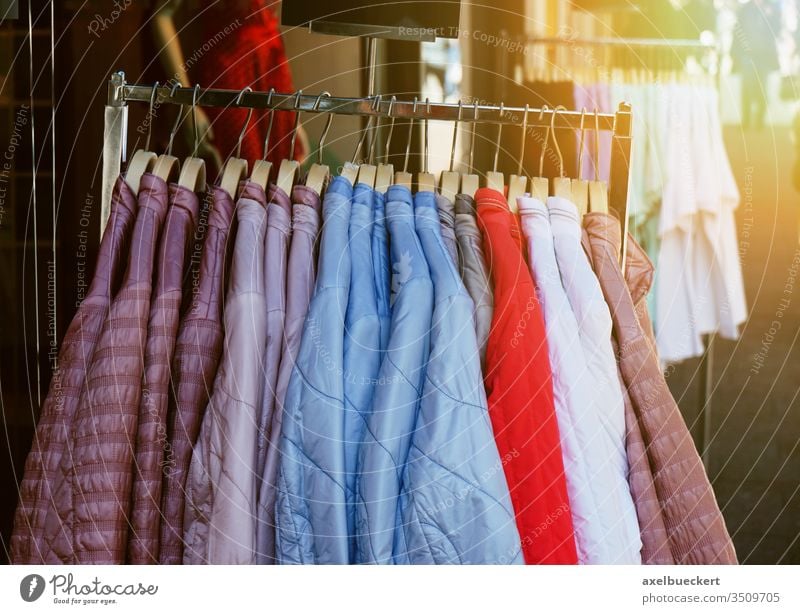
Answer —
454 503
362 356
383 453
311 508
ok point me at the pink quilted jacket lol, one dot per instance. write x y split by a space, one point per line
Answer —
197 353
162 331
695 528
52 433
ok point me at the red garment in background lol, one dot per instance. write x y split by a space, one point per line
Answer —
519 388
250 54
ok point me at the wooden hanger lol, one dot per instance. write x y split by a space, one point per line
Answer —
404 177
287 171
598 190
426 182
318 174
367 170
451 181
193 173
540 186
143 159
518 184
561 185
262 169
469 180
235 169
580 187
495 179
384 177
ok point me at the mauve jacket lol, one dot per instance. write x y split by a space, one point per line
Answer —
220 517
301 273
473 268
104 432
162 330
28 545
276 255
695 527
197 353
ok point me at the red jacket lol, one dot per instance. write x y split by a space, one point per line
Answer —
520 391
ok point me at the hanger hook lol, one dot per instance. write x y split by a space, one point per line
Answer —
427 112
556 110
472 136
246 122
499 135
150 111
271 112
546 139
455 135
410 130
327 127
194 119
377 107
580 142
391 129
365 132
524 136
178 120
596 144
296 107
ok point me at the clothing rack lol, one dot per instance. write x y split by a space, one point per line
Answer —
676 47
121 93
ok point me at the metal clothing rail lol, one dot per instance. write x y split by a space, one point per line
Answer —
121 93
666 43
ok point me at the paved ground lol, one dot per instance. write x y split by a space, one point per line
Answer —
755 447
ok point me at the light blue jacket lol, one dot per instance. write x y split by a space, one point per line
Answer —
311 509
362 352
455 505
383 454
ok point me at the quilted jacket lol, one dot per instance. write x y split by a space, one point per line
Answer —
639 272
519 387
301 274
447 219
606 531
454 504
220 516
197 352
381 268
362 335
28 545
104 431
472 264
162 330
387 441
695 527
311 510
276 256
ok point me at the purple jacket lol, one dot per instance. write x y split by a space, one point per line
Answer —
220 520
197 353
300 278
276 255
162 331
103 434
28 542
